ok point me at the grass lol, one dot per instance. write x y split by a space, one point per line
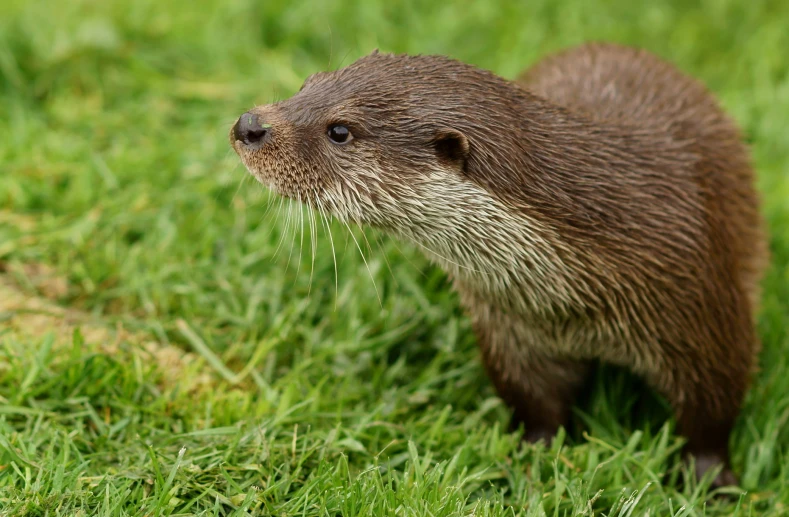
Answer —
169 347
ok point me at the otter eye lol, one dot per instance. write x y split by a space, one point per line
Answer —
339 134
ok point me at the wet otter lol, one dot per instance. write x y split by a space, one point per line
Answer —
601 207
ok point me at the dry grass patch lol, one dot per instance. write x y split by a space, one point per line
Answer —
28 317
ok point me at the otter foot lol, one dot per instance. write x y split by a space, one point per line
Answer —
705 462
535 434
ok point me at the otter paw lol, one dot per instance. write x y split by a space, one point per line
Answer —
707 462
535 434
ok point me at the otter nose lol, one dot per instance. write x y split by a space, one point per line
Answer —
250 130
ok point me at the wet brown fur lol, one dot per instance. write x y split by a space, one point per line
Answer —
600 207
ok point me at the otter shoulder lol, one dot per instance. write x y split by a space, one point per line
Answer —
621 84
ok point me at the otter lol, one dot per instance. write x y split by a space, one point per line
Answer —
601 207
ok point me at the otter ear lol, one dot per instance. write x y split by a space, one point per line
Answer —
451 146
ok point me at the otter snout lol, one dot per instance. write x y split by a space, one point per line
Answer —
251 131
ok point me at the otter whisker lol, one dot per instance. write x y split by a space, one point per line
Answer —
370 248
241 182
294 231
300 207
327 227
270 203
286 228
386 259
281 226
273 224
334 213
313 239
370 271
364 235
279 214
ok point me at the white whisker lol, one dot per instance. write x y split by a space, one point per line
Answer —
284 230
241 182
294 231
370 271
313 242
386 259
272 224
300 206
327 227
270 203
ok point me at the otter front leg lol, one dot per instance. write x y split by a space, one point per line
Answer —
706 398
540 389
708 441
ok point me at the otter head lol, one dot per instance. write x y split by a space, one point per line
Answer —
379 139
417 145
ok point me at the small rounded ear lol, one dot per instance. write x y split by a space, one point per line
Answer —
451 146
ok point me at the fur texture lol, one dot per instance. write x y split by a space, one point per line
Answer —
599 208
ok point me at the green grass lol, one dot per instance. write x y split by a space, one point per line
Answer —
297 393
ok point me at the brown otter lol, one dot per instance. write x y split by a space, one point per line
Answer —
600 208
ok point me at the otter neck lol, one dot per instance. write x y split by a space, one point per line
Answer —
548 210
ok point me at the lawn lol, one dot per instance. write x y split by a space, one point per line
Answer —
176 341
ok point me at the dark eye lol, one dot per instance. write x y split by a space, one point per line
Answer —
339 134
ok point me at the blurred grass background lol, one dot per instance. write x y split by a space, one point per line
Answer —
207 326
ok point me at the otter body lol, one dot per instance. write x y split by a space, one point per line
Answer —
601 207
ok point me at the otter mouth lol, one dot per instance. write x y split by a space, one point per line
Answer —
270 179
246 155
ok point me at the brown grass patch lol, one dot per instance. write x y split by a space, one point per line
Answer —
31 317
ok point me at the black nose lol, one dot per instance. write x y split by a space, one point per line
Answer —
250 130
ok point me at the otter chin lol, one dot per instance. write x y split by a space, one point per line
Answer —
600 207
